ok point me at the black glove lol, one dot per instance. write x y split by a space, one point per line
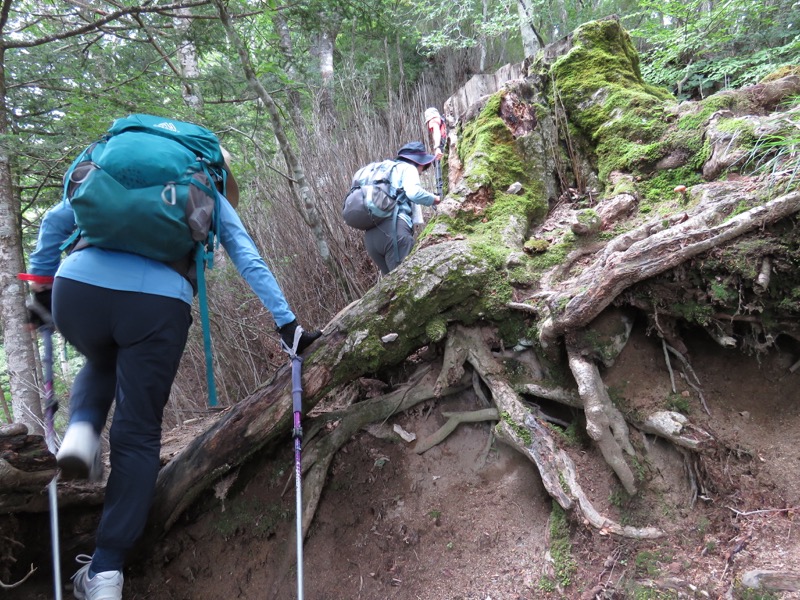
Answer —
306 337
40 308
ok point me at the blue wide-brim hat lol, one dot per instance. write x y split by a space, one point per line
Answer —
415 152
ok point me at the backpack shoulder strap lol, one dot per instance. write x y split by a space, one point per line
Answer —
397 191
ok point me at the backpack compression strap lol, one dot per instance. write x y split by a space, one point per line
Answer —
200 259
204 258
395 212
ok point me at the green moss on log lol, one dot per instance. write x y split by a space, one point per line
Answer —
493 160
601 87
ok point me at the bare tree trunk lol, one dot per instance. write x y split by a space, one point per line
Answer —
20 357
389 93
483 39
323 48
531 40
187 59
401 79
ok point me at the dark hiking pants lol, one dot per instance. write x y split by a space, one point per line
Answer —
379 242
133 344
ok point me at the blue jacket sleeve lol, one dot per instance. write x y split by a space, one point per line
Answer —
57 225
243 252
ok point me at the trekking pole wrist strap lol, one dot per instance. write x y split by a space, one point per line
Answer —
292 352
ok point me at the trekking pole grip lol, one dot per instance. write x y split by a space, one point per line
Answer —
297 393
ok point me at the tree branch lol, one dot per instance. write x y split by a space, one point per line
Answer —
7 43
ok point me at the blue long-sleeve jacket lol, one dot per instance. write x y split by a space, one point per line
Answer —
134 273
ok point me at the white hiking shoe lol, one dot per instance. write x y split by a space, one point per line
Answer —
79 454
103 586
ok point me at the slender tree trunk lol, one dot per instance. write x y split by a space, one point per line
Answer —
401 79
483 39
20 358
389 91
5 407
302 195
287 49
323 45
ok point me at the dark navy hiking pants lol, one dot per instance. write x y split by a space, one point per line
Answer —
379 242
133 344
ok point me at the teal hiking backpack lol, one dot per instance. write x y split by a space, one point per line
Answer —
371 198
148 187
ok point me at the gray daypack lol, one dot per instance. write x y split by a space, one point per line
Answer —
371 198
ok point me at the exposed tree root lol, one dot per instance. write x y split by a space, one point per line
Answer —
556 394
27 480
11 586
531 438
687 367
653 250
320 451
604 423
453 421
677 429
562 477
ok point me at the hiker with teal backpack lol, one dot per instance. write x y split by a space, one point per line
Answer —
384 212
122 297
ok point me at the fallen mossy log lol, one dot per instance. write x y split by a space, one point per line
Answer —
435 285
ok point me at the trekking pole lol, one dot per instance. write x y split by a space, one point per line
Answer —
50 408
437 166
297 434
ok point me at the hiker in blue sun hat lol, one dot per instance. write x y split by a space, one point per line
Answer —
129 314
391 240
